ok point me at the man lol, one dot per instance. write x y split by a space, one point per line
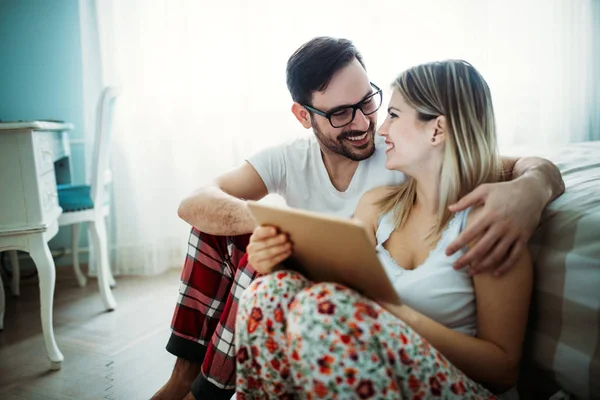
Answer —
328 173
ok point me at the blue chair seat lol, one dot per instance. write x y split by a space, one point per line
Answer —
75 197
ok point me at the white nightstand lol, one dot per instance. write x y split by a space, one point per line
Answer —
29 207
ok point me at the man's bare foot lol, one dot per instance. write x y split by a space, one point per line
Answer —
179 384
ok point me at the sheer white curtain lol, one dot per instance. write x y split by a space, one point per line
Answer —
205 85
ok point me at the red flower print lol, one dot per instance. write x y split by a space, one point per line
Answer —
256 366
323 293
253 383
275 363
338 380
252 325
325 364
374 358
278 314
255 317
255 351
406 360
441 377
295 356
355 330
326 307
434 386
270 329
345 339
320 389
271 345
365 390
371 312
413 383
362 309
241 396
277 387
358 315
242 355
458 388
350 374
285 373
281 275
391 357
403 339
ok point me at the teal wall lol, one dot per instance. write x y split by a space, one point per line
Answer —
41 75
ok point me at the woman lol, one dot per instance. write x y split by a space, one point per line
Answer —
453 335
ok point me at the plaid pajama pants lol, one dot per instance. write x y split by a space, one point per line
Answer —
215 274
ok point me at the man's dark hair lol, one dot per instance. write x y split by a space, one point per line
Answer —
312 66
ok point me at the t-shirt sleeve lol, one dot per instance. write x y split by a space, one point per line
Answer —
271 166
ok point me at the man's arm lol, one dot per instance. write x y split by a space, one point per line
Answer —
220 208
510 214
535 170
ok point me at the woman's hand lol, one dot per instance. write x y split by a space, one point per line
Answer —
267 249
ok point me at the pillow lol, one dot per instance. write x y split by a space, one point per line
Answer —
564 334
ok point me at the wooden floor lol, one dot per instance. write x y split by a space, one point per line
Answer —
117 355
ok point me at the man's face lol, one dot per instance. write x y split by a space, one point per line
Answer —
356 140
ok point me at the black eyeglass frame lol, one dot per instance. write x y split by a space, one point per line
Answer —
354 107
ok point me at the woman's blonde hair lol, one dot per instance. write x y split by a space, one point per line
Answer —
454 89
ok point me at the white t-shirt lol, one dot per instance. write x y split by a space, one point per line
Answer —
295 170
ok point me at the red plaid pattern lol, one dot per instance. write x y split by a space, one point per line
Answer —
215 274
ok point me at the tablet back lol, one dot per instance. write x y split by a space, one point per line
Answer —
330 249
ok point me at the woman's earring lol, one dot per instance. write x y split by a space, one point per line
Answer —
433 139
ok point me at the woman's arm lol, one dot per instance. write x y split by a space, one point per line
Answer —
493 356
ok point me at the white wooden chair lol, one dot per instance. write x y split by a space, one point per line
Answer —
87 203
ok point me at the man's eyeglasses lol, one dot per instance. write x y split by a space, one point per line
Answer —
342 116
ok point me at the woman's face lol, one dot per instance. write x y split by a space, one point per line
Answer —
408 139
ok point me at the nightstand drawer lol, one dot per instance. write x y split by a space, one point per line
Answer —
48 149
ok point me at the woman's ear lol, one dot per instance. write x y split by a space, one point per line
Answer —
301 114
439 130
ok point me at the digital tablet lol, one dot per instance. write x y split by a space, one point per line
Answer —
330 249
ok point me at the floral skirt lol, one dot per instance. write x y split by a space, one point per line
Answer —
296 339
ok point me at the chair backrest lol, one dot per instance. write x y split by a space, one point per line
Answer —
104 123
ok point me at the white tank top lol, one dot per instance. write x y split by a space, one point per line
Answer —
434 288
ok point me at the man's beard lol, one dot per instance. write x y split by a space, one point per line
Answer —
341 146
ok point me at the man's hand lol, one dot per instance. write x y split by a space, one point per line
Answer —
267 249
510 214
